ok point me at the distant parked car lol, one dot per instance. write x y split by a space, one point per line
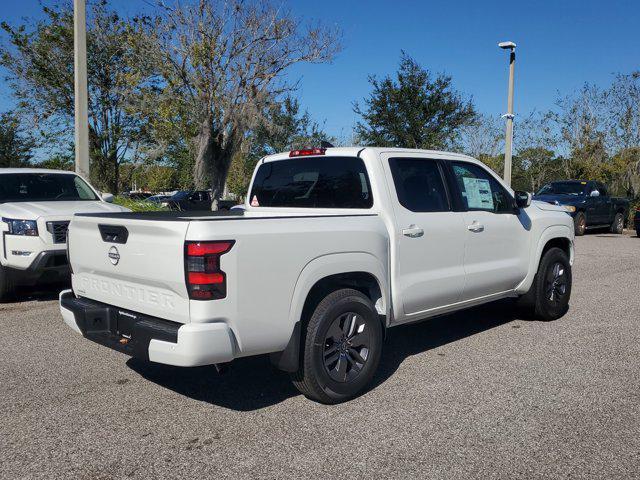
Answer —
157 198
139 196
637 221
589 204
36 206
226 205
187 200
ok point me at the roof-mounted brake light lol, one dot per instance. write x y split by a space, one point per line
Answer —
305 152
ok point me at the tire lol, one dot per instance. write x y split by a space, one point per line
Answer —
6 284
638 232
618 224
580 224
342 348
548 298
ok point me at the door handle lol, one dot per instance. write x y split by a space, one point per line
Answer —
413 231
476 227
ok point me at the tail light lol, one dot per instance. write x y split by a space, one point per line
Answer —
205 280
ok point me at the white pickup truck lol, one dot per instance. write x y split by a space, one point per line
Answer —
36 205
334 246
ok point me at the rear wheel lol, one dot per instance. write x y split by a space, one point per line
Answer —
618 224
580 223
342 348
6 284
549 296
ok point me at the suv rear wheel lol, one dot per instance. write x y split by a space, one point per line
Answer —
548 298
342 348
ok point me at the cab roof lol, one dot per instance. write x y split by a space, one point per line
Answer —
33 170
354 151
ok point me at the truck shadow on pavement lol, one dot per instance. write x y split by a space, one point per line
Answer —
39 293
251 383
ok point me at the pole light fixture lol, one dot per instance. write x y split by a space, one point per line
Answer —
507 45
511 46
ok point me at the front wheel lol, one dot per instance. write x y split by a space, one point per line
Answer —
342 348
580 224
618 224
551 290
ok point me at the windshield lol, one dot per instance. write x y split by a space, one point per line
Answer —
563 188
43 187
318 182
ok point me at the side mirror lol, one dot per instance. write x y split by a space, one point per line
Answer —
523 199
107 197
594 193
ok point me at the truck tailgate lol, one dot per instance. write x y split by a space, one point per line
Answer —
134 264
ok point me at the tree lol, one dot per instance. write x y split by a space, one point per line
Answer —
285 128
623 172
59 161
483 136
222 65
582 123
535 142
15 144
39 62
623 111
414 110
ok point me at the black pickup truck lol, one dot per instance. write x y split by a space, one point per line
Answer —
589 204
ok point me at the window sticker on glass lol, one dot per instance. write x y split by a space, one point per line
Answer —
478 192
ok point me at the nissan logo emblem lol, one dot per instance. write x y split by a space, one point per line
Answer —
114 255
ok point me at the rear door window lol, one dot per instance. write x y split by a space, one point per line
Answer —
317 182
419 184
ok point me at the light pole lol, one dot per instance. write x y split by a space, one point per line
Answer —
509 115
80 87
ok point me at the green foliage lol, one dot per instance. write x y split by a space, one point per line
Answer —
38 59
59 161
218 66
15 144
138 205
414 110
285 127
158 178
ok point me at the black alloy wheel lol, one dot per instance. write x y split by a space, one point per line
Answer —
346 347
556 283
341 347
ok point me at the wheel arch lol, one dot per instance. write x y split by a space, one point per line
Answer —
559 236
358 270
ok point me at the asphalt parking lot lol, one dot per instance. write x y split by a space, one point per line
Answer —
479 394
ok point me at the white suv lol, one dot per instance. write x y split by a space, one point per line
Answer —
36 206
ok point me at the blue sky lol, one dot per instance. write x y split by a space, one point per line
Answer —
561 45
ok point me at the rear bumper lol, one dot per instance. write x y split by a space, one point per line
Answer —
145 337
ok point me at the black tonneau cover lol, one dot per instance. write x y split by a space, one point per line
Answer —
168 215
237 214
